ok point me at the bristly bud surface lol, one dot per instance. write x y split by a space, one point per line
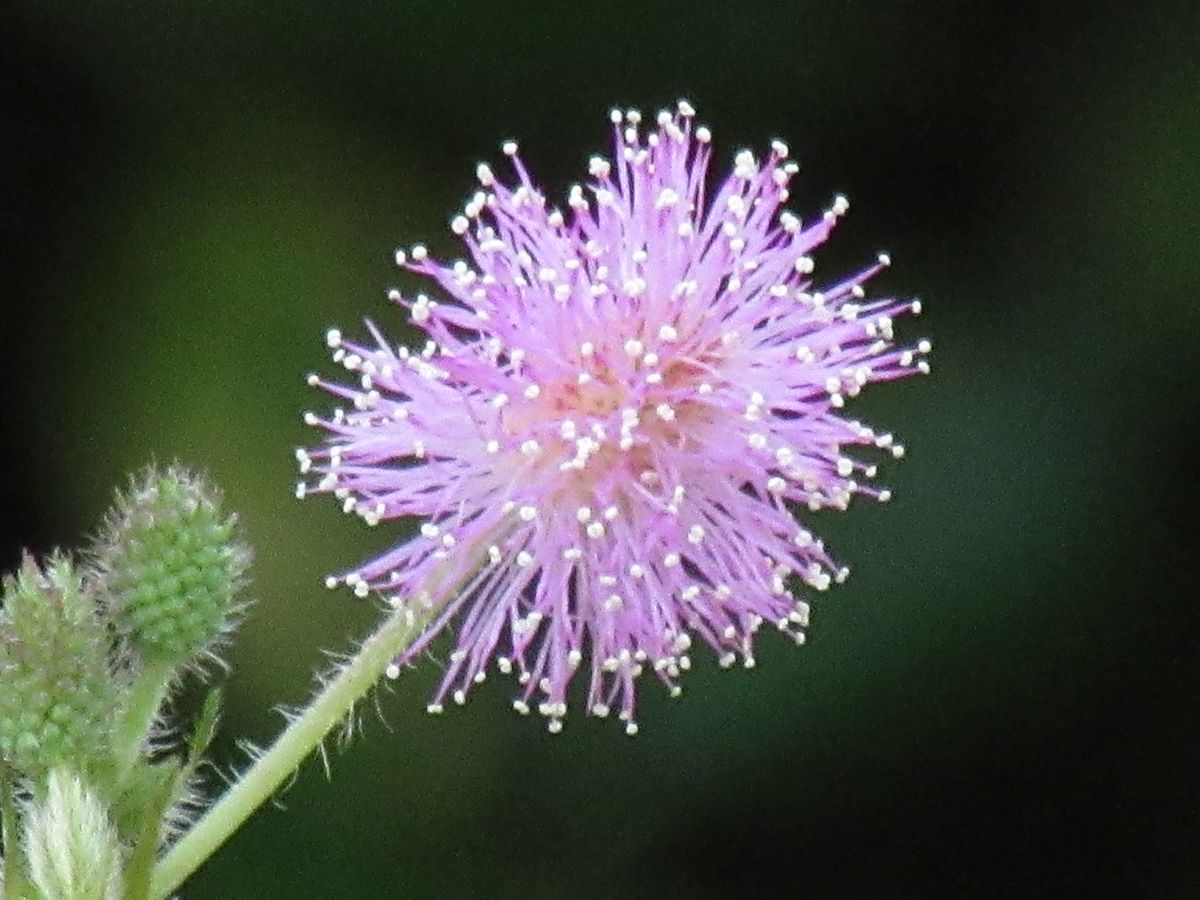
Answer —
57 695
171 565
70 843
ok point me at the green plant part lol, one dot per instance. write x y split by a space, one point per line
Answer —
71 847
170 566
57 694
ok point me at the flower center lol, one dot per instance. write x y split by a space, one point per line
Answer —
607 424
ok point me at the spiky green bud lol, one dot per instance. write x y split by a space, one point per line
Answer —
170 566
71 846
57 694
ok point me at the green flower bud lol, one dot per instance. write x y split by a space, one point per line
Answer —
71 846
57 694
170 566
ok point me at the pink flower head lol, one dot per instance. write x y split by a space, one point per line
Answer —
618 415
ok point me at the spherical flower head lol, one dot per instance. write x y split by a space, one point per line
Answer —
618 414
170 565
57 694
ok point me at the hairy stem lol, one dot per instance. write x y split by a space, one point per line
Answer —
146 696
12 879
305 733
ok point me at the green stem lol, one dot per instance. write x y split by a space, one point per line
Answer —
139 867
13 876
330 707
146 697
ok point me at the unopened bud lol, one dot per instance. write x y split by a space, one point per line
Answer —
170 566
57 694
71 845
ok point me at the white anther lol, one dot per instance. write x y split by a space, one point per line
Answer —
666 198
744 165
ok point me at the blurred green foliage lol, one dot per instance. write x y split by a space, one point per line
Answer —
997 704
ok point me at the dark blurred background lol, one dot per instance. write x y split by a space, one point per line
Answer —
1000 703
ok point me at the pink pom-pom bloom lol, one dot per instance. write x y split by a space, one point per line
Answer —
619 411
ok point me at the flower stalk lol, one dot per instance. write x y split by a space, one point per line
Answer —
144 705
330 707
